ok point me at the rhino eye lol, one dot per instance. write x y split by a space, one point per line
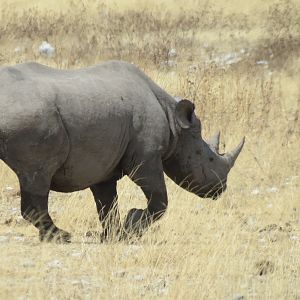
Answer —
211 159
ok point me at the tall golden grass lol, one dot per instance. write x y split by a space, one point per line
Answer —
239 63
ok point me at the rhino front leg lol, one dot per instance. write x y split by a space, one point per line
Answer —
34 208
150 177
105 195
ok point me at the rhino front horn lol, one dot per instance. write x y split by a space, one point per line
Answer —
214 141
232 156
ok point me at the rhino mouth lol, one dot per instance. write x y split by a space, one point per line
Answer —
210 190
214 192
214 195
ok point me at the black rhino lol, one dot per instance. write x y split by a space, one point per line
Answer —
71 130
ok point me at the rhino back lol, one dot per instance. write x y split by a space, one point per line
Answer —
102 108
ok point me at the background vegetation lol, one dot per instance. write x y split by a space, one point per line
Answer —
239 63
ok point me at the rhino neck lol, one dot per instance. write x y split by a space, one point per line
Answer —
171 147
176 165
168 105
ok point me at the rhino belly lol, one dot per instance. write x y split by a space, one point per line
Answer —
90 161
76 175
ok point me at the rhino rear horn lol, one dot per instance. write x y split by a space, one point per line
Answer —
214 141
232 155
184 112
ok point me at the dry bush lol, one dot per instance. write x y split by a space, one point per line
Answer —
102 32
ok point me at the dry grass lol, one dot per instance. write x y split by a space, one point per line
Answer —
247 243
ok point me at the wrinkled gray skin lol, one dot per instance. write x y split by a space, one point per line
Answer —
70 130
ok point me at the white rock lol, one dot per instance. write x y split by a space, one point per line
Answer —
119 273
28 264
55 264
255 191
290 180
138 277
14 210
262 240
294 238
262 62
172 52
19 238
199 206
76 254
272 189
226 59
232 58
46 49
18 50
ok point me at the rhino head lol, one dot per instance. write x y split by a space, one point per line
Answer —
197 165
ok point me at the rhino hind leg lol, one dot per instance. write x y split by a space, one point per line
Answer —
34 208
105 195
150 177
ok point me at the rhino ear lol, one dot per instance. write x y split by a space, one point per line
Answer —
184 113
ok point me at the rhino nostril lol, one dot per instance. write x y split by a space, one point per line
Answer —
211 159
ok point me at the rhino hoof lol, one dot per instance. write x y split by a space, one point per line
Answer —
57 235
133 222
